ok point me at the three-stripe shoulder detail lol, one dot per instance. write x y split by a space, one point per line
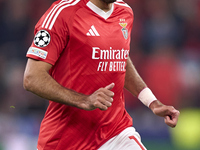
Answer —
55 11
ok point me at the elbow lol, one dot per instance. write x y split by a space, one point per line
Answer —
27 82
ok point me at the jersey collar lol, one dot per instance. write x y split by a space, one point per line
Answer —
99 11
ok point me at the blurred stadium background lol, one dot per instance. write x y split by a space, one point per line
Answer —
165 49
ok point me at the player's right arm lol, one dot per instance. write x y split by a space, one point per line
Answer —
38 81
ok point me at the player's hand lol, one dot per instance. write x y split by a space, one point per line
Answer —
169 113
101 98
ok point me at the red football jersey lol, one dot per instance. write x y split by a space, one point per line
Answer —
88 49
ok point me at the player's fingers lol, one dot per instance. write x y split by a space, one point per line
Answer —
176 112
99 105
110 86
104 99
172 118
106 102
109 93
175 116
108 96
103 92
170 122
173 111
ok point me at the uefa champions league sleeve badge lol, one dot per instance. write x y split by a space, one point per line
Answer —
42 38
124 30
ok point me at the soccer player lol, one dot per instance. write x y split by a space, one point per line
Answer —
79 61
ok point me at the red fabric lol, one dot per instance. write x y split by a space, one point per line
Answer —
81 64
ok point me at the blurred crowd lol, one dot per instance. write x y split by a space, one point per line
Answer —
165 49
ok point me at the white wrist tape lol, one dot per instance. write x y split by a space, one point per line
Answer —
146 96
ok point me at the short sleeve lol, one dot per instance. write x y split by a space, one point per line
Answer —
51 38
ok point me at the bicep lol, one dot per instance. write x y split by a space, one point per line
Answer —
34 66
133 82
35 73
128 62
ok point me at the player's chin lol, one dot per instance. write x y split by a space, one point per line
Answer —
109 1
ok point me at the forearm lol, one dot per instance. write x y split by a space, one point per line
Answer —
46 87
133 81
38 81
42 84
135 84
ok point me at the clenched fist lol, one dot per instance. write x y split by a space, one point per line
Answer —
169 113
101 98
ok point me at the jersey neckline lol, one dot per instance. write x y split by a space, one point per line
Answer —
99 11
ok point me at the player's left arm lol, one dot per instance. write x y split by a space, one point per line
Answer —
135 84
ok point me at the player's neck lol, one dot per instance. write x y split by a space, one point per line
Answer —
102 5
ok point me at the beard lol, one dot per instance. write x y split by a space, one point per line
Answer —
108 1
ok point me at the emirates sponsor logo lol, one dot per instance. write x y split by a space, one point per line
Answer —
111 59
98 53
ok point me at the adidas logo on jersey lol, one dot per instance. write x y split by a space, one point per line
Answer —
92 32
